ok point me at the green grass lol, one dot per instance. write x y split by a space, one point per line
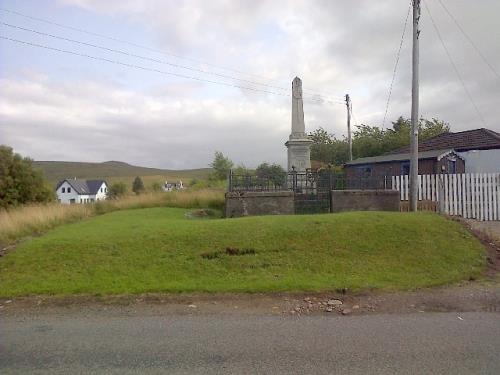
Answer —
162 250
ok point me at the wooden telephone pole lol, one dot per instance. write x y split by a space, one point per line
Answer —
349 137
414 109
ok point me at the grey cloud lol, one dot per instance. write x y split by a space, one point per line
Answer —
176 135
335 46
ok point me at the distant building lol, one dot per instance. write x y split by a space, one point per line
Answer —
471 151
170 186
72 191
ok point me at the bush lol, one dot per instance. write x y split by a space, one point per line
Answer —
117 190
156 187
272 172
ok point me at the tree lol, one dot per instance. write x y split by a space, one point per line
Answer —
221 166
327 149
242 170
370 140
116 190
429 129
272 172
20 182
138 185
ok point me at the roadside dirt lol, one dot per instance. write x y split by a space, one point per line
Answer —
471 296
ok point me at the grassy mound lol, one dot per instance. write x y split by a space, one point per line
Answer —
168 250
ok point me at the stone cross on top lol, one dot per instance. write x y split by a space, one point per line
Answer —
299 154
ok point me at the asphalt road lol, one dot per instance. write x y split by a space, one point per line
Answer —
114 343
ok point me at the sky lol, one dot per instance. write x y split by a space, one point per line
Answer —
132 84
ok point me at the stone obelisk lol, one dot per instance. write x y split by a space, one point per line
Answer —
299 152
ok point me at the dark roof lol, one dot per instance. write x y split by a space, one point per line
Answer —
433 154
477 139
84 186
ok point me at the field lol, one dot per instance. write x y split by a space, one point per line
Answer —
114 171
178 250
18 223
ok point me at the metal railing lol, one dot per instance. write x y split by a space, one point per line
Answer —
304 182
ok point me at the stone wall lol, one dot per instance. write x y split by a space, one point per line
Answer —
259 203
365 200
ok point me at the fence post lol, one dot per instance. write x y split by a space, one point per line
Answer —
440 193
230 180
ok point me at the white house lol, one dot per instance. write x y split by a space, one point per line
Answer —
71 191
170 186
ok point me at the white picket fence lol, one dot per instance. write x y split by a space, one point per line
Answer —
470 195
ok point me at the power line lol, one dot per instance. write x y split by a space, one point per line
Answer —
38 19
454 65
354 116
27 43
470 40
143 57
133 65
122 41
396 65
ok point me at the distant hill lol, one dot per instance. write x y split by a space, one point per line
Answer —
56 171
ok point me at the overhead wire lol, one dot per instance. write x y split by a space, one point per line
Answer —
455 68
398 55
114 39
353 115
135 66
139 56
476 48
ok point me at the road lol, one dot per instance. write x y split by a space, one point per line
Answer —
115 342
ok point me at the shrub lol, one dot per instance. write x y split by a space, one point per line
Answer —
117 190
156 187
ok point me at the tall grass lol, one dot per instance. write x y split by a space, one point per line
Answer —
37 219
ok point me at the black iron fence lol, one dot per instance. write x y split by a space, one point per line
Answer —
257 183
311 182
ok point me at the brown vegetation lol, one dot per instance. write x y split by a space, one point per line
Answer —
36 219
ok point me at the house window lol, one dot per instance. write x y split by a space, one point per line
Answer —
64 190
69 190
405 168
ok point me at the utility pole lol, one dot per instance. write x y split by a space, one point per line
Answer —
414 110
349 137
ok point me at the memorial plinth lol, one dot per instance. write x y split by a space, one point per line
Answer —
298 144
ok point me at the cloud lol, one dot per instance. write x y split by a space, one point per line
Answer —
336 47
99 122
